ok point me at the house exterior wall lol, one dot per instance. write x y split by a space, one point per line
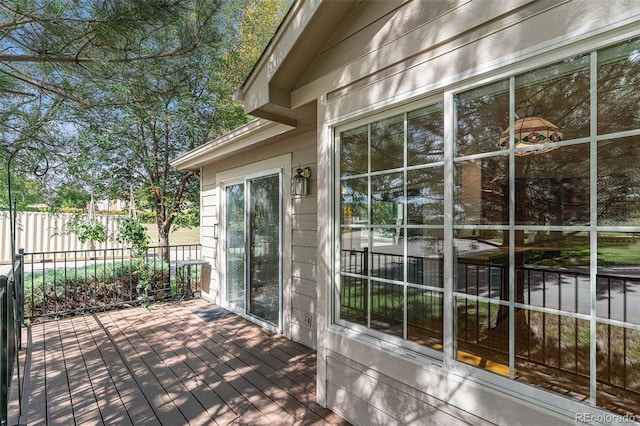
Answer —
422 51
382 62
300 226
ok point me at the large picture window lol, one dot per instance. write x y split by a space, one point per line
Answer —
391 227
544 227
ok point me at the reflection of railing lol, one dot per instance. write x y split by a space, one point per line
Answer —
552 345
384 301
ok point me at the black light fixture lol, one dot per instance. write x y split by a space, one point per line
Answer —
300 181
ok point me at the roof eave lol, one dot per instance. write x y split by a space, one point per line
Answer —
243 137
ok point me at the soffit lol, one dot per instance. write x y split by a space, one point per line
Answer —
256 133
241 139
266 92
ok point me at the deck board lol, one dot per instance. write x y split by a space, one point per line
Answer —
169 365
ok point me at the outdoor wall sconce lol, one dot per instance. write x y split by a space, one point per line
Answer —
300 182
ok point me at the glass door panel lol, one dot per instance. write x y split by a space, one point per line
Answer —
235 243
264 248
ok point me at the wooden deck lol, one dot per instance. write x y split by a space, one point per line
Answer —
191 363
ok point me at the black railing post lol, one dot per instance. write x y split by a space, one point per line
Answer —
4 351
20 291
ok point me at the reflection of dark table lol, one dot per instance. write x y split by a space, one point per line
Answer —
188 264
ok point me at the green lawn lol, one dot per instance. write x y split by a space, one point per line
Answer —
177 237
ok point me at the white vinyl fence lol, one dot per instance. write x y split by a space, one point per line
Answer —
43 232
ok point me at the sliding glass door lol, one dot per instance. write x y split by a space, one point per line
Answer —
253 243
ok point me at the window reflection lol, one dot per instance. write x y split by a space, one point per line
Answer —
424 316
480 341
559 93
425 257
554 351
554 270
425 136
618 87
543 248
482 262
353 296
481 191
387 199
387 307
618 281
354 201
354 146
618 368
387 144
552 188
619 181
354 243
425 196
391 257
483 114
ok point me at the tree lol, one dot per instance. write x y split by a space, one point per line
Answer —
90 35
160 109
71 195
132 100
55 53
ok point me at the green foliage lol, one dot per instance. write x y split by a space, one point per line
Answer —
97 284
118 89
132 232
86 229
71 196
188 219
147 217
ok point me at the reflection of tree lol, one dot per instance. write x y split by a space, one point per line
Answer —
618 87
354 199
387 144
425 136
425 196
387 192
354 151
552 187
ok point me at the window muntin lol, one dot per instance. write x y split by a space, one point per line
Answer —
543 233
524 295
391 232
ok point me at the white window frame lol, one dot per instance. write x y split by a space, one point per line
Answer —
425 97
